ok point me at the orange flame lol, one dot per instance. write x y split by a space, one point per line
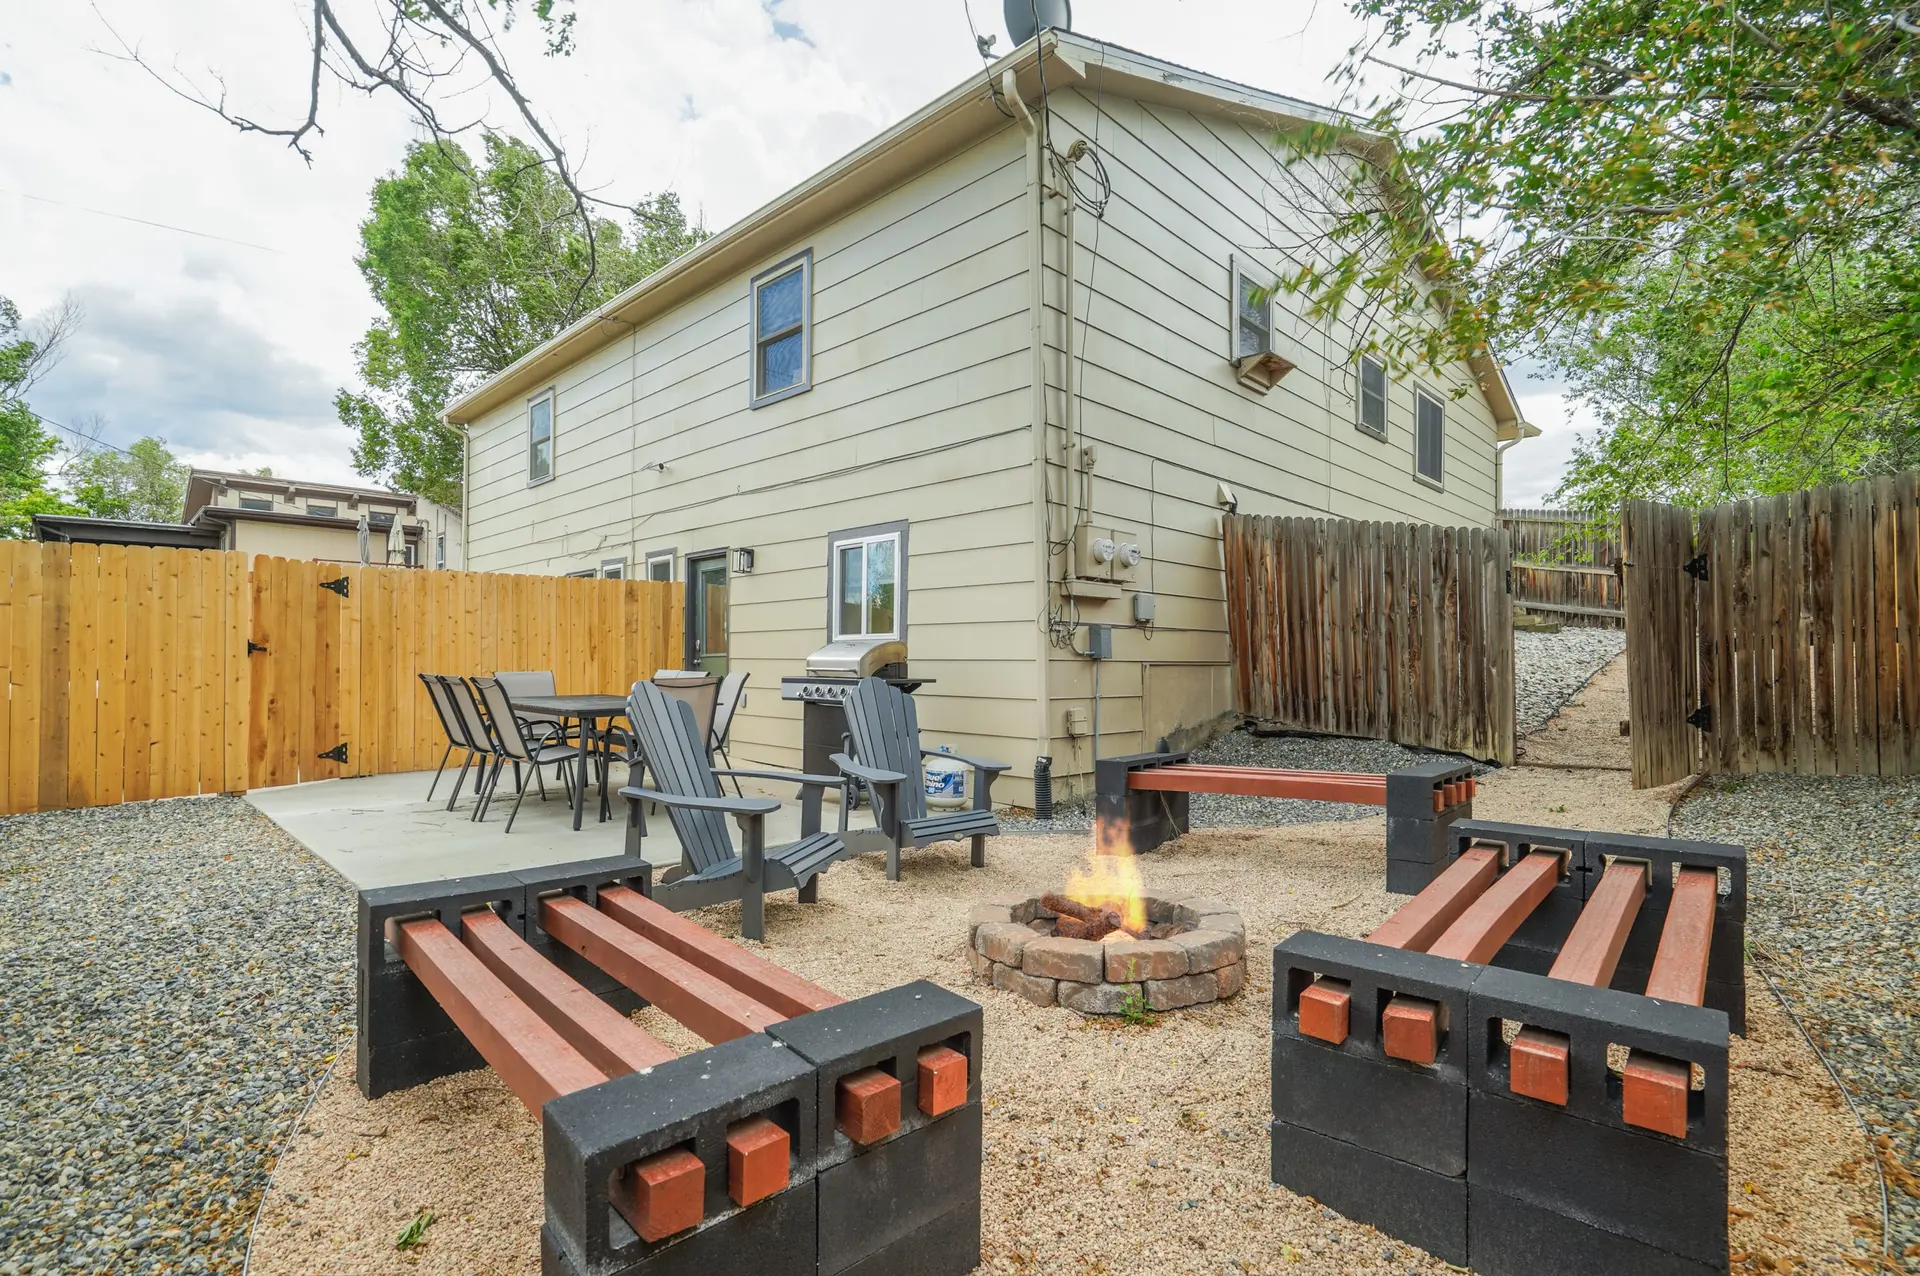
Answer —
1110 878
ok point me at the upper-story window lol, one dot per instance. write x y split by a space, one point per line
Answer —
783 330
540 438
263 503
323 511
1372 410
1429 458
867 582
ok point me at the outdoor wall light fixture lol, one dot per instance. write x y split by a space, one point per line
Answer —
743 562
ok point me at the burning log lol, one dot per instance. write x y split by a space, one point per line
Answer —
1079 921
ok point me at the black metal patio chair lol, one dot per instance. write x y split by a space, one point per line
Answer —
451 723
513 745
885 731
710 870
477 737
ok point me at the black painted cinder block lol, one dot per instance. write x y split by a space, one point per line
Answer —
394 1007
401 1065
1510 1237
892 1200
772 1238
1520 840
1592 1019
1632 1183
1410 877
583 880
1407 1111
885 1030
1410 789
948 1246
1385 1105
1424 841
1415 1205
1149 818
687 1102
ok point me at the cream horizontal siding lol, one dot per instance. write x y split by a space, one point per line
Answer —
1156 395
919 411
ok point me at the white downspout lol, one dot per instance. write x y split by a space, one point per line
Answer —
1036 269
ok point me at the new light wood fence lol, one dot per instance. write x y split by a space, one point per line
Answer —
1390 631
135 673
1566 565
1777 634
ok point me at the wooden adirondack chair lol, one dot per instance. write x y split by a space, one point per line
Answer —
886 757
710 872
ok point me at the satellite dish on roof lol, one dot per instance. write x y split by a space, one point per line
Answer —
1025 18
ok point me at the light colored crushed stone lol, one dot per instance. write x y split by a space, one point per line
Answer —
1109 1148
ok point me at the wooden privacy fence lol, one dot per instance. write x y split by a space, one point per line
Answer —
1566 564
1391 631
134 673
1776 634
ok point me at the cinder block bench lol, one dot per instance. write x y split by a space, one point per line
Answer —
814 1135
1447 1079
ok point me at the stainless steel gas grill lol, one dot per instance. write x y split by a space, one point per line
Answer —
831 673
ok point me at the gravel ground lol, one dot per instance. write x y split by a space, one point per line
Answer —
1109 1147
1835 918
178 976
1548 670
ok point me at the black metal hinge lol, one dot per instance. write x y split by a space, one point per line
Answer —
1696 567
255 649
338 753
338 586
1701 718
1509 580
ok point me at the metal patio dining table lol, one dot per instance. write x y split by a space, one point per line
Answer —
588 711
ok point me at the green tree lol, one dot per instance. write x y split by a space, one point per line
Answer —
473 266
1708 212
25 446
143 482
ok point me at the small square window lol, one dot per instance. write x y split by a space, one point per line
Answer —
261 503
323 511
1373 397
1252 315
613 569
1432 444
540 438
440 551
660 565
867 582
782 330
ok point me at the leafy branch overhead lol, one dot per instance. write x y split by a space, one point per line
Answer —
1653 194
473 265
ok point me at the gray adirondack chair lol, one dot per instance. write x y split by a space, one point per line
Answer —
885 732
710 871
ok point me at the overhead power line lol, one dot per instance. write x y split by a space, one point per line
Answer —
141 221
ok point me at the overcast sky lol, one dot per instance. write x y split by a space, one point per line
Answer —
230 342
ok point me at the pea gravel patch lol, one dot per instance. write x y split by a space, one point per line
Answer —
178 976
1834 916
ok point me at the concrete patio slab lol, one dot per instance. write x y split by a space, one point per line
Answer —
381 831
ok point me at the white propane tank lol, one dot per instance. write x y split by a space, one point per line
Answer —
946 780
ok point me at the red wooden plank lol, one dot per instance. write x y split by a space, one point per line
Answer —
1324 1010
1426 917
1653 1089
661 1195
707 1006
1491 919
1538 1061
607 1039
757 1160
1365 790
867 1105
533 1059
943 1079
770 985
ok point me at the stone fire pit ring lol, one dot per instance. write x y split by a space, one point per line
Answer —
1011 945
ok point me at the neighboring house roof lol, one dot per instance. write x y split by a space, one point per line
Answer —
928 136
123 531
204 485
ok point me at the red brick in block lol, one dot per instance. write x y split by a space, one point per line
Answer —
757 1163
867 1105
943 1080
1537 1065
1653 1093
1323 1010
663 1194
1410 1029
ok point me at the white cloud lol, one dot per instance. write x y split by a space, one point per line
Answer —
233 352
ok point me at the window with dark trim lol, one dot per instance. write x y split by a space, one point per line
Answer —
867 582
261 503
1431 445
1252 311
323 511
783 330
613 569
1372 413
660 565
540 438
